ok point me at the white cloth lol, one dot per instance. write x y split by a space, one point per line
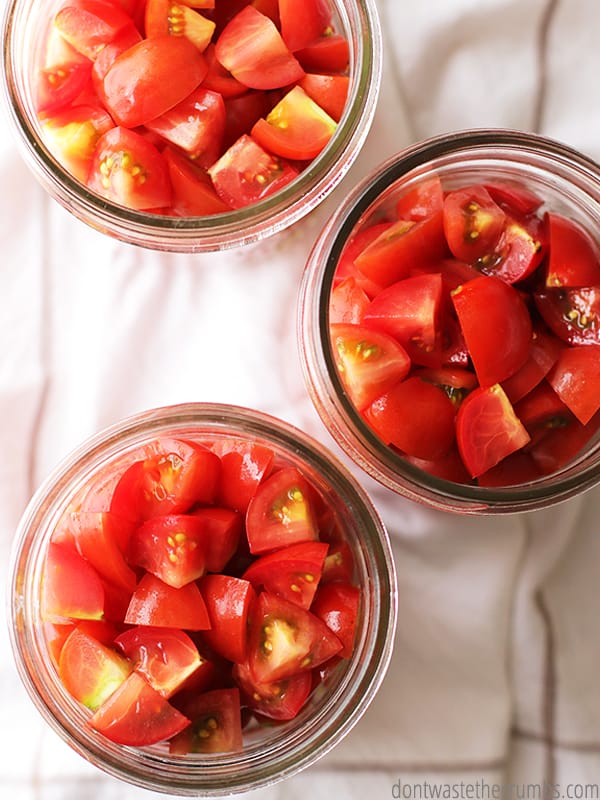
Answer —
495 677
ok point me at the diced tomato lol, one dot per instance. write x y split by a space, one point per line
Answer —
246 173
216 724
414 416
576 379
193 192
422 201
515 199
125 39
57 86
518 467
89 25
281 512
252 50
328 53
218 79
223 528
348 302
71 587
449 467
296 128
473 223
330 92
137 715
169 18
339 563
542 410
129 170
176 476
337 604
303 21
410 311
369 362
91 671
72 135
172 547
228 601
242 112
574 257
291 572
573 314
545 349
347 268
139 87
496 325
156 603
101 538
280 700
166 657
456 382
402 247
285 639
487 429
559 446
519 251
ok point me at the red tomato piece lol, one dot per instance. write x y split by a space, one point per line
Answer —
455 382
487 429
125 39
518 467
172 547
328 53
285 640
560 446
244 465
281 512
542 410
347 303
416 417
400 248
473 223
71 587
346 267
545 349
220 80
573 314
170 480
228 600
129 170
496 326
291 572
280 700
193 194
410 311
422 201
168 18
514 198
246 173
101 538
139 85
223 529
339 563
216 724
252 50
303 21
369 362
89 670
449 467
337 604
296 128
196 125
156 603
242 112
59 85
576 380
574 257
330 92
166 657
89 25
520 250
72 135
137 715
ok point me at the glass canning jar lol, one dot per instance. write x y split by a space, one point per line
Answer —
567 181
270 753
25 29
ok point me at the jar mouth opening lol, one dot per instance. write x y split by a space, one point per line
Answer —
360 23
336 705
500 148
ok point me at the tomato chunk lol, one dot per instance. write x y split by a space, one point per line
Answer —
160 605
216 724
71 586
576 379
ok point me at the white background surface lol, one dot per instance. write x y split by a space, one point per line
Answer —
496 670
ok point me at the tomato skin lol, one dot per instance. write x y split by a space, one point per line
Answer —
337 604
228 601
138 86
71 587
487 429
166 657
99 538
545 349
89 25
243 466
574 258
329 91
369 362
422 201
416 417
193 192
514 199
251 48
473 223
347 303
556 449
59 85
279 700
137 715
573 314
329 53
303 21
518 253
576 379
216 724
281 512
160 605
128 170
496 325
